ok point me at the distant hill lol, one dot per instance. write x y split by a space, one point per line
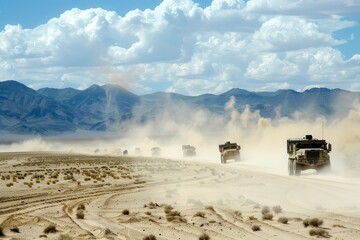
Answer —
52 111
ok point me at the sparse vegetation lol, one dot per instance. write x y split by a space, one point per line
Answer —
265 210
211 208
50 229
199 214
125 212
267 216
64 237
256 228
252 218
314 222
277 209
80 215
15 229
319 233
238 213
283 220
1 232
149 237
204 236
167 208
81 207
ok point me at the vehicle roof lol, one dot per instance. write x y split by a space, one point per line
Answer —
302 140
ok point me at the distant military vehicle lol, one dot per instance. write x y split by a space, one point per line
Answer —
229 151
188 151
125 153
308 153
156 151
137 151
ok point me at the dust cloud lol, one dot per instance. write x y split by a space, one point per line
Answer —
262 140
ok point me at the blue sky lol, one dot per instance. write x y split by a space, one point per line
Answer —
183 46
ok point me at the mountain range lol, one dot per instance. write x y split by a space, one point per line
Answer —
49 111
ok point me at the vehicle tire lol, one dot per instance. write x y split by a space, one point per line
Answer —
296 168
290 167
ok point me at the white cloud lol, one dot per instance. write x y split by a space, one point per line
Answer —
231 43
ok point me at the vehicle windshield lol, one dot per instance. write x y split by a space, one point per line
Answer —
310 145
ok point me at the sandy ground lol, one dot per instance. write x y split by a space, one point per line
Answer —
103 197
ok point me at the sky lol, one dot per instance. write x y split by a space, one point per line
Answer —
182 46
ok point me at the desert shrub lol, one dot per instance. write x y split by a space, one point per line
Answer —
50 229
314 222
149 237
81 207
175 216
64 237
148 213
252 218
80 215
204 236
125 212
319 233
256 228
15 229
283 220
238 213
199 214
168 208
152 205
277 209
211 208
265 210
1 232
267 216
9 184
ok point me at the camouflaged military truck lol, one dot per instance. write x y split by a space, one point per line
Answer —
308 153
229 151
188 151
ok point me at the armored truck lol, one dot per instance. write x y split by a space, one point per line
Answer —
188 151
229 151
308 153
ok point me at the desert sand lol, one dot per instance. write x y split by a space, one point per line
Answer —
74 196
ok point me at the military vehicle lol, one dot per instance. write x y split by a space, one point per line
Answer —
155 151
229 151
308 153
188 151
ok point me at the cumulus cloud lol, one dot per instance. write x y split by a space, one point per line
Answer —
231 43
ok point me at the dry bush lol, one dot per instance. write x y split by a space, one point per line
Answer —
211 208
256 228
125 212
277 209
148 213
50 229
204 236
283 220
252 218
80 215
265 210
337 225
1 232
314 222
15 229
267 216
9 184
168 208
81 207
199 214
319 233
149 237
238 213
64 237
152 205
175 216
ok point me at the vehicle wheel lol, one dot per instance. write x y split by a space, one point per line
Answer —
290 167
296 168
